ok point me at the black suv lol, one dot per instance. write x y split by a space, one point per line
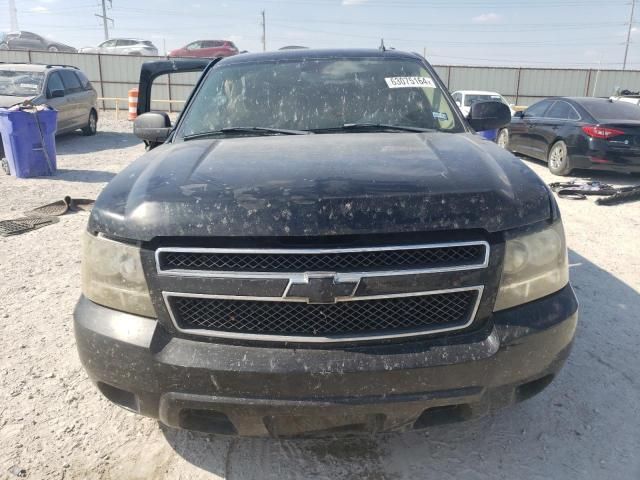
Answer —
321 245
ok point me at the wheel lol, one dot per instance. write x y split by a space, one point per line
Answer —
503 139
4 46
92 124
52 48
558 159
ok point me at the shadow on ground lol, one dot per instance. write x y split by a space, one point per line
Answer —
584 425
615 178
83 176
76 144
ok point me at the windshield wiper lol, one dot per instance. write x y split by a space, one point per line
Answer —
377 126
231 130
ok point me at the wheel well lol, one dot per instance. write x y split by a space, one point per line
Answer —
556 140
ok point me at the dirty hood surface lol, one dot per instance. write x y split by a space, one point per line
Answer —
324 184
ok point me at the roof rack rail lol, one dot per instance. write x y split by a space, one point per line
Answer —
51 65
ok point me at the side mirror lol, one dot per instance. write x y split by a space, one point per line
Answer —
56 93
519 114
489 115
152 127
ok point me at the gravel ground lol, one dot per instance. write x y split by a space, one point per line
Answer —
54 424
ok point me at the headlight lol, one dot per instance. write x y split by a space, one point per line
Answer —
112 276
535 265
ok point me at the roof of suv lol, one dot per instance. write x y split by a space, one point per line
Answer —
33 67
319 53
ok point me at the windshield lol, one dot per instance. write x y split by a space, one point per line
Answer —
319 94
20 83
470 99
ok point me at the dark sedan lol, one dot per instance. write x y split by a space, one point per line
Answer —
568 133
30 41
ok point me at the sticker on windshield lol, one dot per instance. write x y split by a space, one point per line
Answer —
410 82
440 116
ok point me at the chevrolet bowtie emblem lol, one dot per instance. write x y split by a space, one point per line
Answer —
321 288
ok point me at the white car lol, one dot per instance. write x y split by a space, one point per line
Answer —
124 46
465 98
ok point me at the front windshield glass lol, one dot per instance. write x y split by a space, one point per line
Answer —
319 94
20 83
470 99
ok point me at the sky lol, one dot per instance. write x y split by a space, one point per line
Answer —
542 33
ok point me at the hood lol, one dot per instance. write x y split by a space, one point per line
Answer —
7 101
325 184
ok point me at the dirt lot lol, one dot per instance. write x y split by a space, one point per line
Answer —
54 424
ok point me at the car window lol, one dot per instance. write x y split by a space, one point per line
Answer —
537 109
20 83
320 94
54 82
603 110
471 98
125 43
562 110
71 82
29 36
457 97
195 45
108 43
217 43
84 81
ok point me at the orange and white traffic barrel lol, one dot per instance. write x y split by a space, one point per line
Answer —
133 103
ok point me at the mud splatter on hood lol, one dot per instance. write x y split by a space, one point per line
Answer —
327 184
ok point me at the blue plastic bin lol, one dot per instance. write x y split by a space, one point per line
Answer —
22 142
490 134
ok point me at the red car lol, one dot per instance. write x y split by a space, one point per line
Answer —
206 49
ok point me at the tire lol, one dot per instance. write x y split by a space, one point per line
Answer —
52 48
558 159
503 138
92 124
4 46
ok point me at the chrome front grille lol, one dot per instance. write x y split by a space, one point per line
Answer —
322 295
413 257
395 316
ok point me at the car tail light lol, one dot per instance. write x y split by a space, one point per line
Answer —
596 131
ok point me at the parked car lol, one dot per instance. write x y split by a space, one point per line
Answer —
322 246
124 46
465 98
568 133
65 88
30 41
206 49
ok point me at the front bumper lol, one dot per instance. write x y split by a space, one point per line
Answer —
283 392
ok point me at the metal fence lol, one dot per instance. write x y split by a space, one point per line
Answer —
114 75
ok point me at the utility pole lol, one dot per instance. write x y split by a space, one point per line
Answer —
264 33
626 48
105 19
13 16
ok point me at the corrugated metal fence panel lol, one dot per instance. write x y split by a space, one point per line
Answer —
501 80
553 83
606 82
7 56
